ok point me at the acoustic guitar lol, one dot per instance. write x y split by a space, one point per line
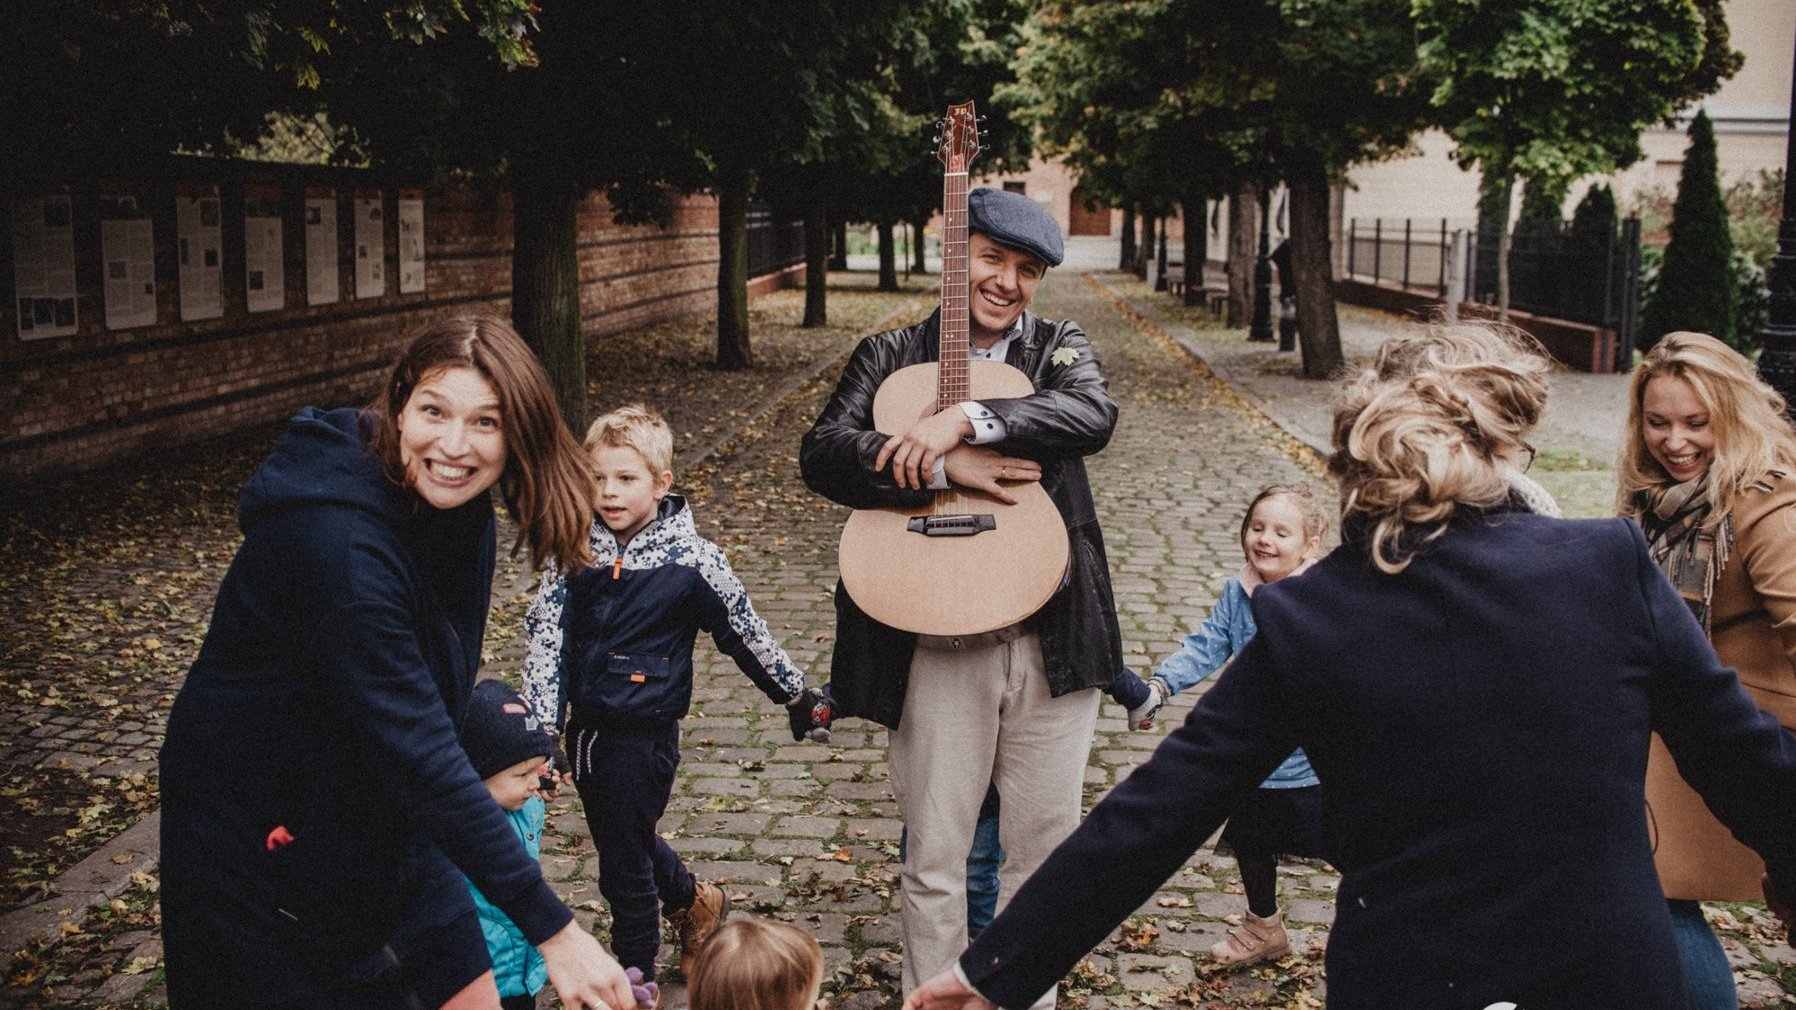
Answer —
966 563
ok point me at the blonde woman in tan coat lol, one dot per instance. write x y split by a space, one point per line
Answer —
1708 468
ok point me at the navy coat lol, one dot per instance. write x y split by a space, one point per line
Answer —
1480 724
326 701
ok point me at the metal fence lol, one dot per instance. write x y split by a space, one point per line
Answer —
1413 254
1562 274
1557 273
773 245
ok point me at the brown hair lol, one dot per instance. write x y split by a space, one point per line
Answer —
1418 435
1745 414
1315 521
546 484
634 426
756 964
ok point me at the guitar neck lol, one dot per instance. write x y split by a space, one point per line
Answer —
951 382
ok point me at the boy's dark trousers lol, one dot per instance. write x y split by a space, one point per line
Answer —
624 773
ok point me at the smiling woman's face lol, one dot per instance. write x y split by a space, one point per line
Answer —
1675 426
451 438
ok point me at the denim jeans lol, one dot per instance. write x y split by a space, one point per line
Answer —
1708 977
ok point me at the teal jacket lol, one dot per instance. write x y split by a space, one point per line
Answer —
517 967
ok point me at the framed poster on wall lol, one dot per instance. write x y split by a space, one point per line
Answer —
264 262
322 271
127 257
43 265
199 252
370 245
411 241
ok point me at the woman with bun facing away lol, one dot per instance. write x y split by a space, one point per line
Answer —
1475 684
318 813
1708 469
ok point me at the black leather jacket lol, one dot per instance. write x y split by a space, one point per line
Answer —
1069 416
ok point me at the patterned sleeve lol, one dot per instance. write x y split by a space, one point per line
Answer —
740 632
542 658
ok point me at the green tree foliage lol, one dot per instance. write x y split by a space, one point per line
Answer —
1186 99
1697 289
1549 90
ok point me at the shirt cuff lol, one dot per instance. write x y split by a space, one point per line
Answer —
987 425
938 477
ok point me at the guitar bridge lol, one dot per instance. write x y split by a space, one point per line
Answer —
952 526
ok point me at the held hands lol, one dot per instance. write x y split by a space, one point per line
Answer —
584 976
946 992
1142 716
810 715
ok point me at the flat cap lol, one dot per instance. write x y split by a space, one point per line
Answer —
1014 220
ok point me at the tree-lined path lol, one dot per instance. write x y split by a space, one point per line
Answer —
803 832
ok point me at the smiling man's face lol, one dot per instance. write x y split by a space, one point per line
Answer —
1001 280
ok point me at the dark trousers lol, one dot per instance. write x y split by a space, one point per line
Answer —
624 774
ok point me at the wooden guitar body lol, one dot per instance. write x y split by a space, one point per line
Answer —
967 563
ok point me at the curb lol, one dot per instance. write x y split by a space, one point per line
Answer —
100 877
1181 337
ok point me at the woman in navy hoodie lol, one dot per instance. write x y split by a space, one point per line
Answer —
317 810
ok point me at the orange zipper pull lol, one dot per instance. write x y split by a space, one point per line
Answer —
617 567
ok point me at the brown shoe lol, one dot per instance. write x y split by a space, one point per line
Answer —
1256 939
696 922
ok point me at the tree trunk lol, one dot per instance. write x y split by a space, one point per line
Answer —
1243 229
1197 248
920 244
888 257
734 186
816 264
545 281
1127 261
1319 331
839 257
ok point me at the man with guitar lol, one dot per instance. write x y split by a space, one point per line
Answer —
1013 706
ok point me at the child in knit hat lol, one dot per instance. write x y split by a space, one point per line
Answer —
508 747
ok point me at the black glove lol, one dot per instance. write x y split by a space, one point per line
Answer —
810 714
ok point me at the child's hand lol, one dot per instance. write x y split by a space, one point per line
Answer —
1142 715
810 715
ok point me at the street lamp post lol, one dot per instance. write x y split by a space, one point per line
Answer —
1260 330
1777 363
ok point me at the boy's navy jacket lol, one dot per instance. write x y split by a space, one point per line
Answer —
614 641
1480 724
326 700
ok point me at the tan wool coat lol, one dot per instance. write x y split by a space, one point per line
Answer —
1753 627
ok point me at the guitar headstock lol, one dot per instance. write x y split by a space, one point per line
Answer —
959 138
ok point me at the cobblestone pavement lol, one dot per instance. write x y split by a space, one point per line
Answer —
809 832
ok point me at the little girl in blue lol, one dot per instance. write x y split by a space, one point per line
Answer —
1280 536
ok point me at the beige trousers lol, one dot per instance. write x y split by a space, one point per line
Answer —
971 718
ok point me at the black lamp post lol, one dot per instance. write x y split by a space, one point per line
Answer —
1777 363
1260 330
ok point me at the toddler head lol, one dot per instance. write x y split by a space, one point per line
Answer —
632 456
757 964
1284 526
505 743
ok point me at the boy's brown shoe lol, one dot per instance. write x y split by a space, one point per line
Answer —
696 922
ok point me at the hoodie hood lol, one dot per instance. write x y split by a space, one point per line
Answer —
324 458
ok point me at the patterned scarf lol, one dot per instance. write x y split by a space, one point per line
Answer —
1672 518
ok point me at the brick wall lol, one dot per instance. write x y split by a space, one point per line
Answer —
75 403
